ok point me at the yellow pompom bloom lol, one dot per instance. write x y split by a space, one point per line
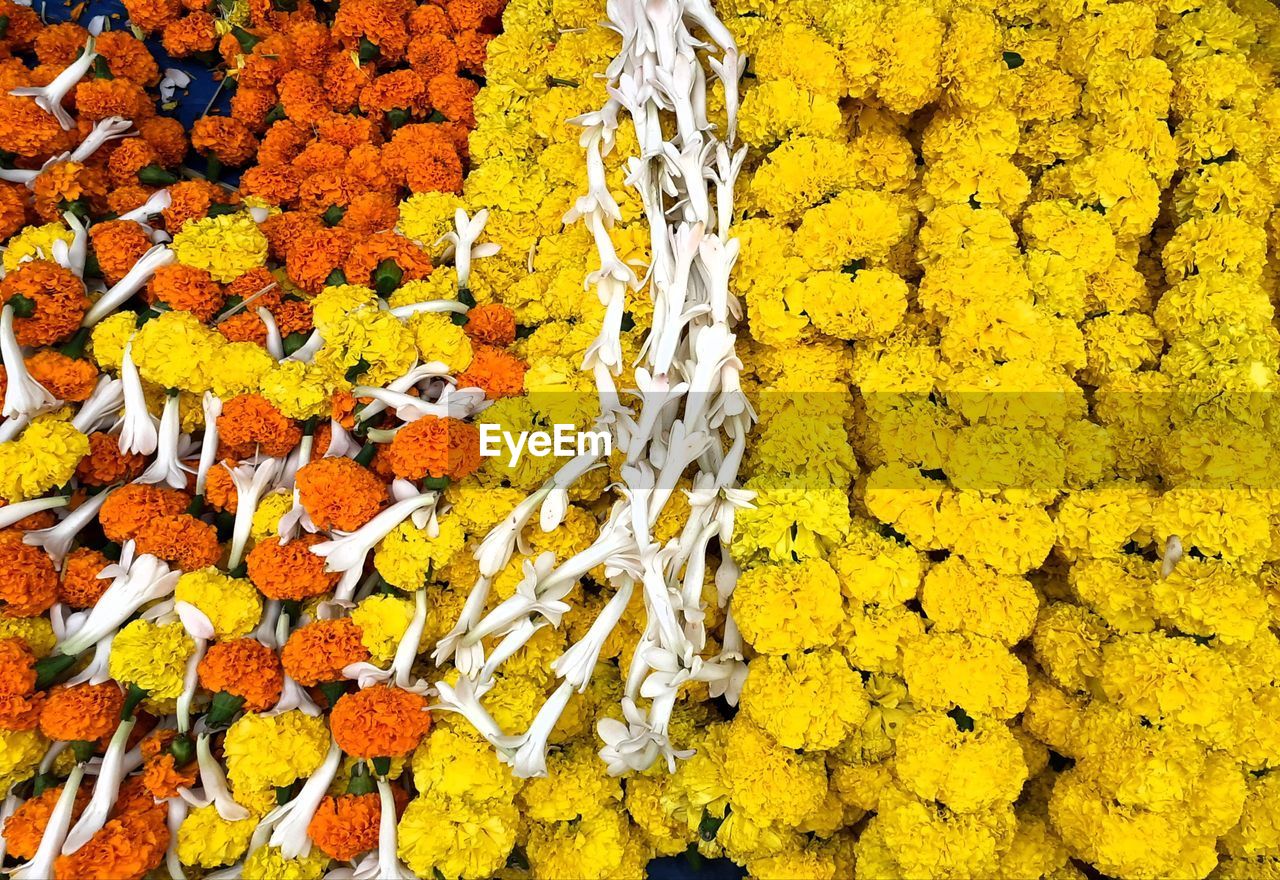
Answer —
869 304
457 837
37 632
874 569
964 763
174 350
426 216
592 849
237 368
855 225
407 554
962 595
439 339
335 302
481 508
266 519
793 516
45 455
807 701
921 839
957 670
788 607
269 862
382 621
456 762
574 786
300 390
109 337
206 840
34 243
152 656
369 346
233 605
769 783
264 752
226 246
20 754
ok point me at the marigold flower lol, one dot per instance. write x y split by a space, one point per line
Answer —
243 668
275 184
66 378
133 506
13 209
433 54
82 712
225 137
127 57
473 49
126 160
106 464
118 244
97 99
17 667
492 324
249 423
190 34
53 297
339 493
452 96
161 775
290 571
186 288
24 830
127 198
380 722
28 580
346 826
182 540
319 651
227 245
191 200
152 15
412 259
423 158
152 656
28 131
313 254
253 106
166 136
80 586
496 372
63 183
474 14
129 846
435 447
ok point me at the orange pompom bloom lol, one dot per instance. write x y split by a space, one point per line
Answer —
290 571
131 507
97 99
126 198
497 372
276 184
494 324
152 15
251 106
380 722
339 493
433 54
118 244
347 826
127 57
17 667
475 14
411 257
161 775
183 540
65 182
453 97
398 90
220 488
28 580
28 131
192 199
166 136
52 297
293 316
225 137
60 43
82 711
250 423
282 142
128 847
314 254
376 20
258 284
24 830
80 586
13 209
371 212
187 289
20 711
243 668
331 186
319 651
190 34
127 160
106 464
66 378
423 158
243 327
473 50
435 447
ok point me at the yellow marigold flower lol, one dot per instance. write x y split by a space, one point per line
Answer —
335 302
871 303
805 701
1258 832
770 783
264 752
226 245
786 607
644 800
573 786
793 517
439 339
595 848
37 632
481 508
456 762
1010 537
961 595
856 225
458 837
957 670
206 840
237 368
369 346
20 754
775 110
407 555
34 243
152 656
300 390
426 216
109 337
800 174
233 605
382 621
966 764
45 455
873 636
269 861
921 839
266 519
174 350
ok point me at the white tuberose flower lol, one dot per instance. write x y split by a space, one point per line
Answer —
24 395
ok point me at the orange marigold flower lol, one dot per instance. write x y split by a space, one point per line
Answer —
40 520
302 97
17 667
342 409
497 372
347 826
57 301
190 34
411 257
423 158
494 324
166 136
65 182
243 327
161 775
271 58
432 54
323 189
398 90
128 159
453 97
349 132
251 106
24 830
381 22
289 571
118 244
320 444
475 14
20 711
380 722
82 711
318 652
473 49
131 507
128 847
60 43
28 580
371 212
186 288
152 15
191 200
293 316
258 283
339 493
364 162
106 464
435 447
284 228
183 540
226 137
28 131
283 141
124 199
250 423
66 378
343 80
314 254
319 156
312 44
13 209
220 488
99 98
127 57
80 586
243 668
429 19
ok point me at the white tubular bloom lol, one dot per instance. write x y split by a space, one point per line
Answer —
103 403
109 129
212 407
454 403
98 670
57 540
138 429
145 579
1172 555
290 821
177 808
23 396
527 754
464 237
463 699
133 281
308 350
50 97
110 775
401 668
12 513
156 204
55 832
213 785
251 482
167 468
578 663
350 549
72 257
